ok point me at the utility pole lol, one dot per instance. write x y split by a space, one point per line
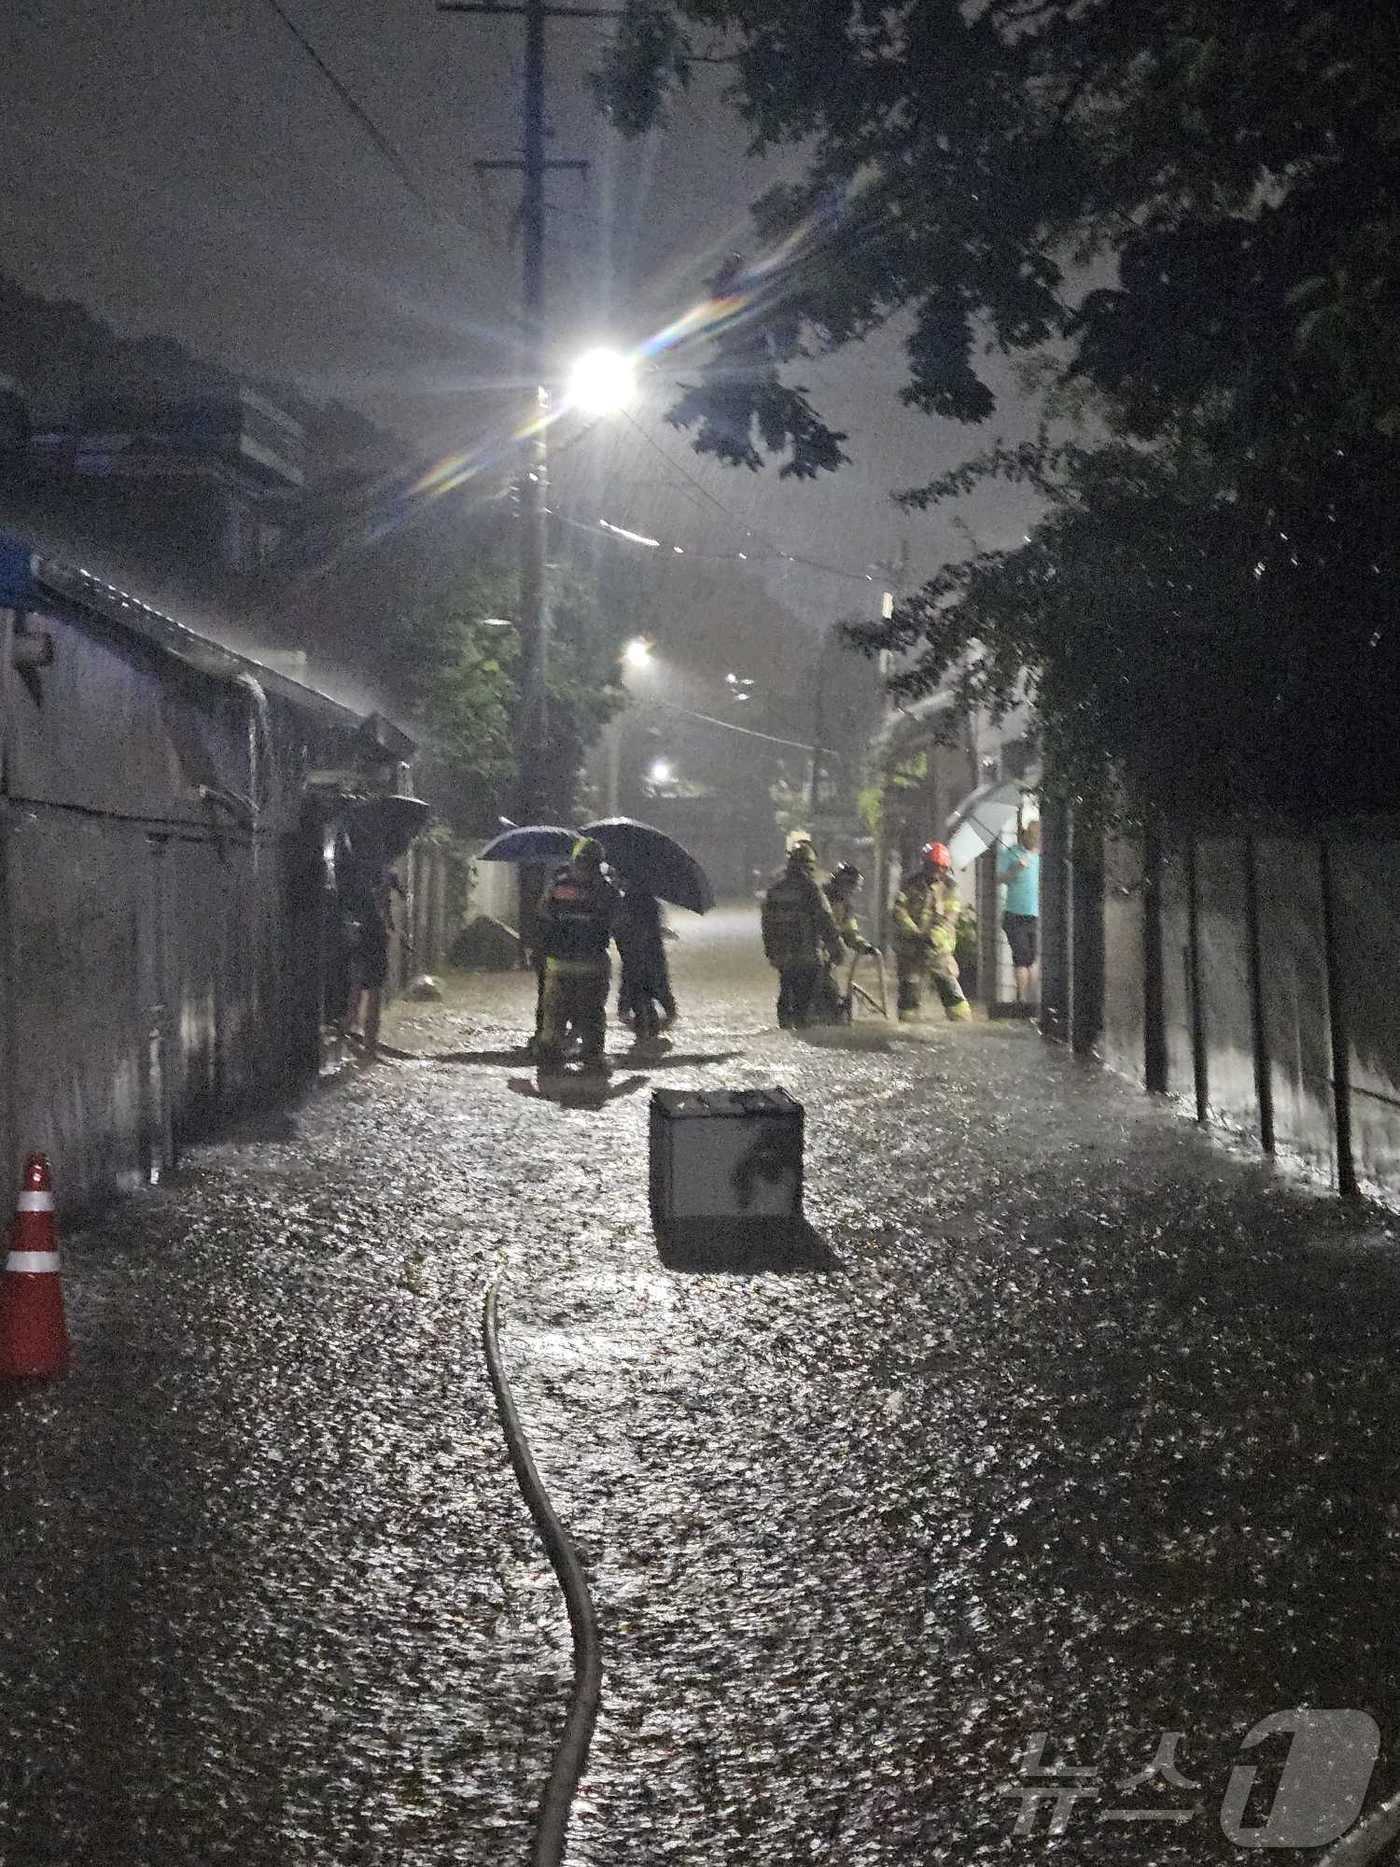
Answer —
538 781
829 639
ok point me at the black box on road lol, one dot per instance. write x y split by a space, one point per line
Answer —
725 1154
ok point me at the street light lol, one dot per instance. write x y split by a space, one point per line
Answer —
637 653
661 772
602 382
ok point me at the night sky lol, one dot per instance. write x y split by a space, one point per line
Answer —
187 171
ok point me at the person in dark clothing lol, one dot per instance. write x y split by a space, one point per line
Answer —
797 927
645 999
368 887
574 927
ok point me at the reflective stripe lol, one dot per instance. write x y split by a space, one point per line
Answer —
31 1261
34 1202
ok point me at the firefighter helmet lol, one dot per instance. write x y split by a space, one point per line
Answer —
936 856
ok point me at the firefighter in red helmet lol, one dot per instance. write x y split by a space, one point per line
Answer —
925 919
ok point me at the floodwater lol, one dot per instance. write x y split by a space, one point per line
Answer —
1068 1421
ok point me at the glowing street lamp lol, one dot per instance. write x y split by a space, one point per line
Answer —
637 653
662 771
602 382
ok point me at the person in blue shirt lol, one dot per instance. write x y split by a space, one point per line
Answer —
1019 868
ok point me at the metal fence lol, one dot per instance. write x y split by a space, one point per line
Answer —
1251 972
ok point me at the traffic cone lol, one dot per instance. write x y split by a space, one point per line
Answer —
33 1335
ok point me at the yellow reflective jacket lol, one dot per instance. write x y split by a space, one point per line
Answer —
925 915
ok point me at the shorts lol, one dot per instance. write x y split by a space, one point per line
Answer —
371 956
1021 932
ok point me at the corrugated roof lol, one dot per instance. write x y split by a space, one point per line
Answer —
125 611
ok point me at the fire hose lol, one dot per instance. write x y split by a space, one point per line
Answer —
571 1757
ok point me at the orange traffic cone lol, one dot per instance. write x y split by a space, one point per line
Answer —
33 1335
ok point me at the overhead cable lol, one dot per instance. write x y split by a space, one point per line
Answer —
365 121
751 531
749 732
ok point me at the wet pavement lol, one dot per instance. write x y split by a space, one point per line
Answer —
1071 1421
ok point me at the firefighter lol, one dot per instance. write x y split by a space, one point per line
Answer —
574 926
798 928
840 893
925 920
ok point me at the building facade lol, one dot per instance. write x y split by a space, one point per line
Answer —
172 816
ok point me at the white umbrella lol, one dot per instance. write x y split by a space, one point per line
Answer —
983 818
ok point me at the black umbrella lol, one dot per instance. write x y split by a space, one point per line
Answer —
653 860
530 842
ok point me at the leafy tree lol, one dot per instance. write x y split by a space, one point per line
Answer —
1236 160
1167 647
394 593
1191 207
452 681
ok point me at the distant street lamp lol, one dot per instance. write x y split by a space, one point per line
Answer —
637 658
662 772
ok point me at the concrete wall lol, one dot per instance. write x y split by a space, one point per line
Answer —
159 953
434 881
495 890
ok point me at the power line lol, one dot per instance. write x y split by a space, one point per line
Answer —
621 534
362 117
749 732
699 485
751 531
